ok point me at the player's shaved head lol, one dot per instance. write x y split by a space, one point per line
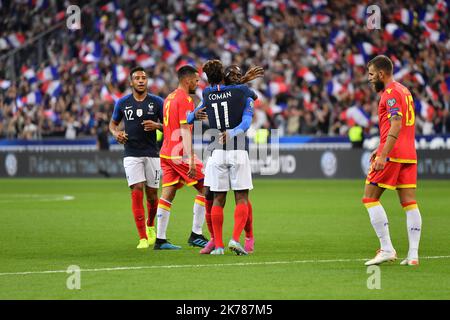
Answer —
383 63
233 74
186 71
214 71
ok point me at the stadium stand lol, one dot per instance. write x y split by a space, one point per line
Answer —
55 82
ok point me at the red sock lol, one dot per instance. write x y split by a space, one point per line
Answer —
217 222
249 224
240 218
151 209
137 205
208 207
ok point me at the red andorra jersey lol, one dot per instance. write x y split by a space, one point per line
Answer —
176 107
397 100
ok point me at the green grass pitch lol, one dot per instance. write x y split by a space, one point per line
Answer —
311 241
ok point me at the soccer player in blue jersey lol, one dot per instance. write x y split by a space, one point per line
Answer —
229 165
142 114
232 76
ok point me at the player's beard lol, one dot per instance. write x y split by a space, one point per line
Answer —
378 85
192 91
139 92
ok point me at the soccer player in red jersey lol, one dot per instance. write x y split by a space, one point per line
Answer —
178 162
394 163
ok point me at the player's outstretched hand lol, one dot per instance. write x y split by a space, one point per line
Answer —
252 74
224 137
121 137
200 114
150 125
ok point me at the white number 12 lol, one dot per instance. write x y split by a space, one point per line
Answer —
224 104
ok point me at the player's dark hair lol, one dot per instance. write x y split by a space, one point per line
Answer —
214 71
135 69
382 62
186 71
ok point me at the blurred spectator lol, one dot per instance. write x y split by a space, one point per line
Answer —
314 54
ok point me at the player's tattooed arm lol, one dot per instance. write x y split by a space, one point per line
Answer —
119 135
394 131
252 74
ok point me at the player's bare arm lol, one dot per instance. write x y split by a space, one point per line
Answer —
200 114
186 138
119 135
252 74
394 131
150 125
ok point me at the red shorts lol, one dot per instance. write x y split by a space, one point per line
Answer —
175 172
395 175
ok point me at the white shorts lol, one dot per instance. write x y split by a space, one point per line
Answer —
207 172
143 169
229 169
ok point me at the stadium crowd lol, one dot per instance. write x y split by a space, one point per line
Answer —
314 54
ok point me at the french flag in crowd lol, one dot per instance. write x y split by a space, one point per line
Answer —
399 74
40 4
207 11
433 35
181 26
359 12
417 76
318 18
367 50
128 54
431 93
232 46
358 115
393 31
15 40
5 84
173 50
277 87
405 16
32 98
123 22
334 88
145 60
256 21
105 95
447 83
52 88
423 108
29 74
356 59
156 21
306 74
337 36
110 7
94 73
48 73
119 73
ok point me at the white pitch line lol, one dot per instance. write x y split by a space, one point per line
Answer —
202 265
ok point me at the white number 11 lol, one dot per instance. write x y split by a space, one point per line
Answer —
224 104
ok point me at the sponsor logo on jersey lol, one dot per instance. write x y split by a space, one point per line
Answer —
128 107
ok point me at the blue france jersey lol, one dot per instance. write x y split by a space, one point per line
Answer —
140 143
225 106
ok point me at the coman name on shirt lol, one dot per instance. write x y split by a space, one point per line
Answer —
218 96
